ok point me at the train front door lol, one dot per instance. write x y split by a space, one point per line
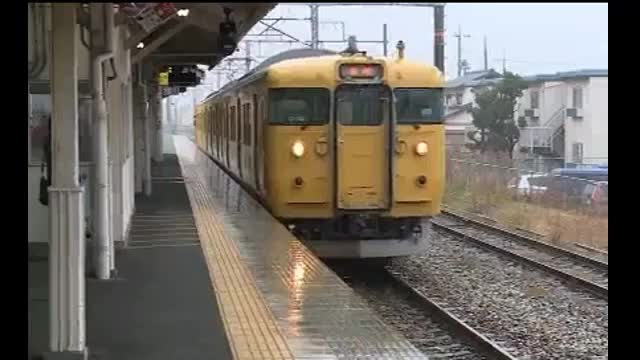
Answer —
362 136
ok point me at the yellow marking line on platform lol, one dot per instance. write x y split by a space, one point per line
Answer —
250 326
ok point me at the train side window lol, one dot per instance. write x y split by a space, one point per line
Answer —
232 124
216 119
225 123
299 106
212 120
246 130
419 106
243 122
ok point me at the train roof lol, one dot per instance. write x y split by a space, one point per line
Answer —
413 72
285 55
293 54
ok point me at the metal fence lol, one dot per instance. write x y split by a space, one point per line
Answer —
563 209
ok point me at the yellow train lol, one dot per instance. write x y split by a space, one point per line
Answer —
345 149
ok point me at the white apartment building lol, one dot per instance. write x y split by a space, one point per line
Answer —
567 116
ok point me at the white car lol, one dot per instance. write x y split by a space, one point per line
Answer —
528 186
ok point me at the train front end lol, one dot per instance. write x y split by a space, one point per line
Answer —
367 180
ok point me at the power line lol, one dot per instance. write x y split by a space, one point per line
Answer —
271 34
533 62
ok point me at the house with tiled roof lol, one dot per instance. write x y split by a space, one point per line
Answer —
460 98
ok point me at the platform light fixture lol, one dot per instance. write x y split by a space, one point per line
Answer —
183 12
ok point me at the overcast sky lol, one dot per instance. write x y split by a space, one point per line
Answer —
535 37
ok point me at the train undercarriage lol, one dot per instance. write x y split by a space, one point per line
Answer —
362 235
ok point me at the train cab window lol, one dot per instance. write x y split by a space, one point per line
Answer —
360 105
419 106
308 106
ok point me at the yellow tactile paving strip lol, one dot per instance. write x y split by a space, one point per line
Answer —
249 324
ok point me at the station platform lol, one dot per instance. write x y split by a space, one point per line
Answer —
209 274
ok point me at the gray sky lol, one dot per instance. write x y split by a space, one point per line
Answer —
536 37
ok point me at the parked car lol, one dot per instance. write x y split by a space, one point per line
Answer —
528 187
599 173
567 190
596 194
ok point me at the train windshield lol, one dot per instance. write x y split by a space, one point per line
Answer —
419 106
300 106
360 104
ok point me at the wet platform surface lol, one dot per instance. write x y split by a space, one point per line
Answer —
209 274
277 299
162 306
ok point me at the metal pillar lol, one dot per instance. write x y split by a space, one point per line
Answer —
172 119
140 104
315 30
461 63
174 113
438 44
103 244
247 55
147 123
30 119
385 41
66 196
486 57
459 51
164 106
176 117
157 153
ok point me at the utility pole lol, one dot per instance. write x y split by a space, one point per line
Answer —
384 39
315 31
247 55
486 56
460 35
438 37
504 62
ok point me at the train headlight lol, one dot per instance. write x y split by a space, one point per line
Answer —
422 148
297 149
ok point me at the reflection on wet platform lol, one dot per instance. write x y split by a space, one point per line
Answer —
255 260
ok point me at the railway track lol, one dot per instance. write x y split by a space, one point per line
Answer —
582 252
587 272
433 329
